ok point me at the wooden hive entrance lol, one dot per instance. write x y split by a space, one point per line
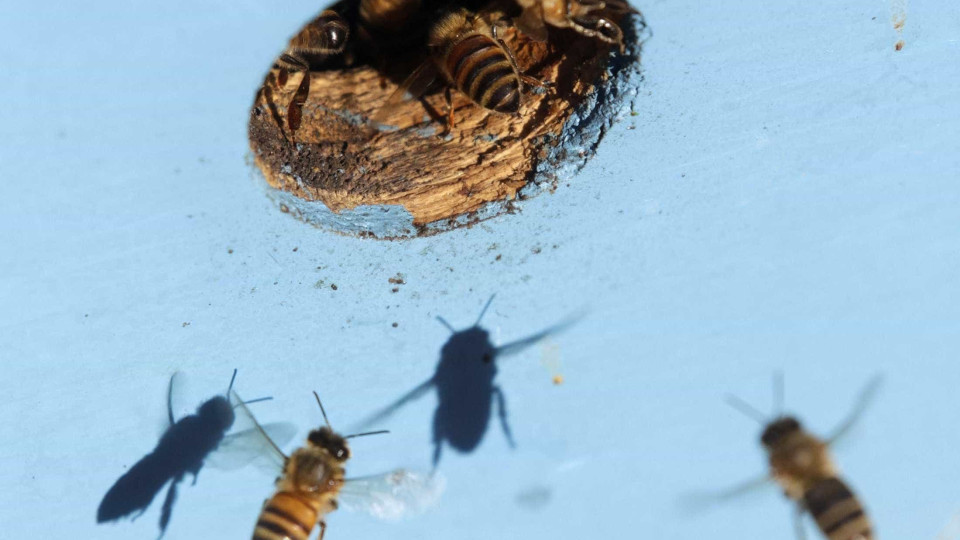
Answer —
342 171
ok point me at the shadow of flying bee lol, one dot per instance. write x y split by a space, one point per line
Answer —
465 386
183 449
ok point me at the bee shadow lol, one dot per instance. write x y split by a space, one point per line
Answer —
466 390
182 449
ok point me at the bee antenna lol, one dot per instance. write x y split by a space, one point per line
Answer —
323 412
445 323
258 400
233 378
367 433
746 408
778 393
484 311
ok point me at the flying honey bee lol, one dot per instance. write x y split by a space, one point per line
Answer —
590 18
313 481
469 53
324 36
800 463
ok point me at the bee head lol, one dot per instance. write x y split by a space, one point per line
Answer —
778 430
333 443
218 411
334 31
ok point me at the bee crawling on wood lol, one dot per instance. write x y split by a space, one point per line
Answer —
468 52
591 18
324 36
801 464
312 483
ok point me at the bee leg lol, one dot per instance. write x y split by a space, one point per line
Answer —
502 413
537 83
451 123
496 36
600 28
323 529
527 79
270 101
295 109
288 62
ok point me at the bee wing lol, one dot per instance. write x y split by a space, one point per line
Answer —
866 396
701 500
252 442
393 495
254 446
415 85
177 398
518 346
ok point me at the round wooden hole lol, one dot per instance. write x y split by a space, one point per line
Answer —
408 173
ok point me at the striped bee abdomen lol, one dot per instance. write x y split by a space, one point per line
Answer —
286 516
837 511
481 69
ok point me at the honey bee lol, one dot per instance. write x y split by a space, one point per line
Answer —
801 464
313 480
586 17
468 52
324 36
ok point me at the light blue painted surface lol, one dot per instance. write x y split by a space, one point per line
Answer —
787 198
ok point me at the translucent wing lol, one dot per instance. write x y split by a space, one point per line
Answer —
393 495
254 446
178 401
701 500
863 401
251 442
415 85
